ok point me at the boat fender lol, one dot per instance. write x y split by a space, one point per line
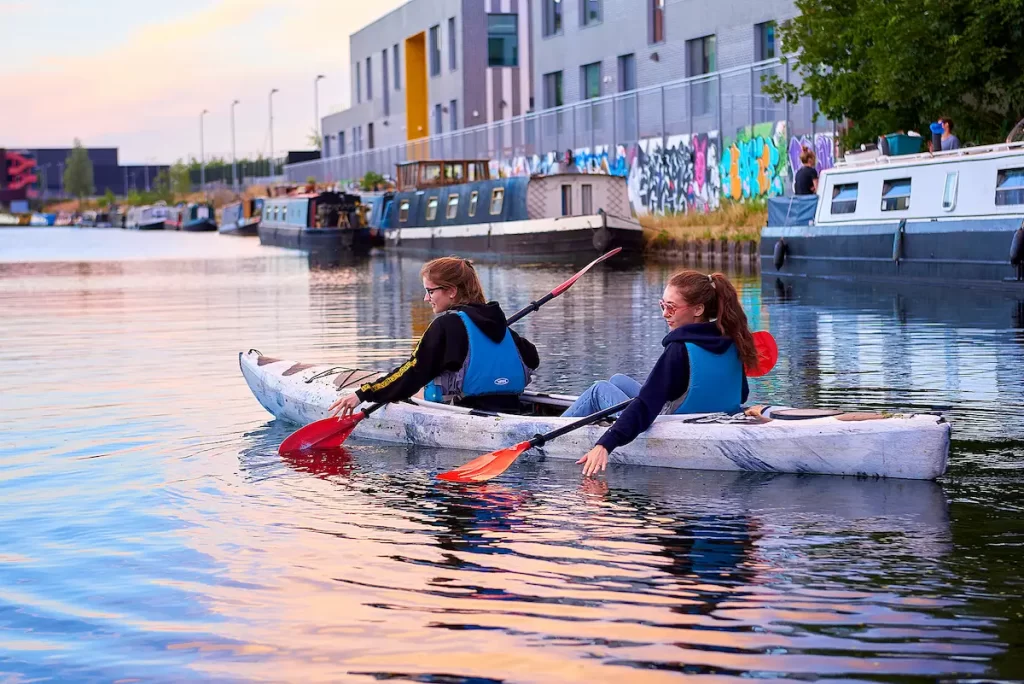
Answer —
1017 247
897 241
780 253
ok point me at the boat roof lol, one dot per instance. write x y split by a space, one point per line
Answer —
866 160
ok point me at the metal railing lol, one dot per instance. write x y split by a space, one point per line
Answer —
725 102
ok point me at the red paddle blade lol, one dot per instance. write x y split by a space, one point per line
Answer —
323 434
569 283
767 354
485 467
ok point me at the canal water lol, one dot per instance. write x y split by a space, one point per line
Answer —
149 530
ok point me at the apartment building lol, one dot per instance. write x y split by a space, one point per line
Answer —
431 67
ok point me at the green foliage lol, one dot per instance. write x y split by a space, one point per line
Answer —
313 139
371 180
107 199
162 187
180 181
78 172
889 65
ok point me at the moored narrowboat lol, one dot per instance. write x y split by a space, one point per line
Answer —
198 217
445 207
146 218
242 218
325 221
952 217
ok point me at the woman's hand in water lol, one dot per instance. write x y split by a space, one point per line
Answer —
596 459
346 406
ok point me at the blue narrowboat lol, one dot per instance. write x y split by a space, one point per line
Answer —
242 218
325 222
198 217
953 217
445 207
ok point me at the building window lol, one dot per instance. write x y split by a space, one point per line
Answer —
453 115
553 90
844 198
1009 187
437 120
590 78
566 200
701 56
656 20
502 40
764 41
369 80
359 82
552 19
384 82
453 206
587 199
473 196
398 68
341 142
497 200
627 72
452 64
431 208
590 12
403 210
369 135
896 194
949 191
435 50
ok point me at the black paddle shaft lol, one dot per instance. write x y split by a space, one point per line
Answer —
540 440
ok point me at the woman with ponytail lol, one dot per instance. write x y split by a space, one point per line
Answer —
468 355
701 369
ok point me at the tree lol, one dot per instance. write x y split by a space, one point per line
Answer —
78 172
107 200
371 181
313 139
181 184
889 65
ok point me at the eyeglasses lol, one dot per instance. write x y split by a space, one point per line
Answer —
668 307
431 290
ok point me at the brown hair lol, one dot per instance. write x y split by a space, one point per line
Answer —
807 156
946 119
721 304
453 271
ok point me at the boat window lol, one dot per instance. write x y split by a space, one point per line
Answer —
844 198
403 210
431 208
497 199
587 199
949 193
472 202
431 172
1010 187
453 206
896 194
453 172
566 200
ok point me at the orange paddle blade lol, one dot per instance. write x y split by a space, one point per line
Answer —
767 354
328 433
485 467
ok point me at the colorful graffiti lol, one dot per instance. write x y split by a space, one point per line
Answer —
823 145
753 165
681 175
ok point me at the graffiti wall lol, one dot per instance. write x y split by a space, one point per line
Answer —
676 175
753 164
823 145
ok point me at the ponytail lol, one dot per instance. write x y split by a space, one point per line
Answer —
453 271
721 304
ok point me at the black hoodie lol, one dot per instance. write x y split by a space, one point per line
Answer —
669 380
444 346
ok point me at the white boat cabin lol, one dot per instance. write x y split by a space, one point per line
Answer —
970 183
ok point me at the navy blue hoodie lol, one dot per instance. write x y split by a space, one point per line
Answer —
669 380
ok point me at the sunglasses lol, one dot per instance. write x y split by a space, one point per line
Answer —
668 307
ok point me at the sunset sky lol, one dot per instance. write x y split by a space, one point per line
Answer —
136 74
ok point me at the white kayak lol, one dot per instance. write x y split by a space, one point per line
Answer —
913 446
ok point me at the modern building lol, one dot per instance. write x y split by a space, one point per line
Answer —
43 170
431 67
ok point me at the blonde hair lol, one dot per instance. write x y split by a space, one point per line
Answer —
453 271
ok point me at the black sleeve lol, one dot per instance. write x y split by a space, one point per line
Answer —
436 351
526 350
667 382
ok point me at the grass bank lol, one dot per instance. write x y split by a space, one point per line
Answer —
735 222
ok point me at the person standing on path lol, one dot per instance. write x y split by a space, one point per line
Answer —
806 181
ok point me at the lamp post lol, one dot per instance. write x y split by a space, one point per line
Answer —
270 100
234 157
316 107
202 155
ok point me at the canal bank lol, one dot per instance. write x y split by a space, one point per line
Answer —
728 237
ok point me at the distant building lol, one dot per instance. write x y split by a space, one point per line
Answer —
40 171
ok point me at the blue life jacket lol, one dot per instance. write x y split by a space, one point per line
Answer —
716 382
490 368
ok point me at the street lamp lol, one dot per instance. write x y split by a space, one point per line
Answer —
234 158
270 99
316 107
202 155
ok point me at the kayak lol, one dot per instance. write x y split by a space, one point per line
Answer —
771 439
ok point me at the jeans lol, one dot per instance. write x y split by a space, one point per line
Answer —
603 394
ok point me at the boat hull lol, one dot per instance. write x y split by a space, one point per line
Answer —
577 238
152 225
200 226
328 240
911 446
241 228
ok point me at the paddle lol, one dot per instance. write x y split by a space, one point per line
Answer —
332 432
495 463
767 354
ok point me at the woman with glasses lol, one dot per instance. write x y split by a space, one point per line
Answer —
468 355
701 369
